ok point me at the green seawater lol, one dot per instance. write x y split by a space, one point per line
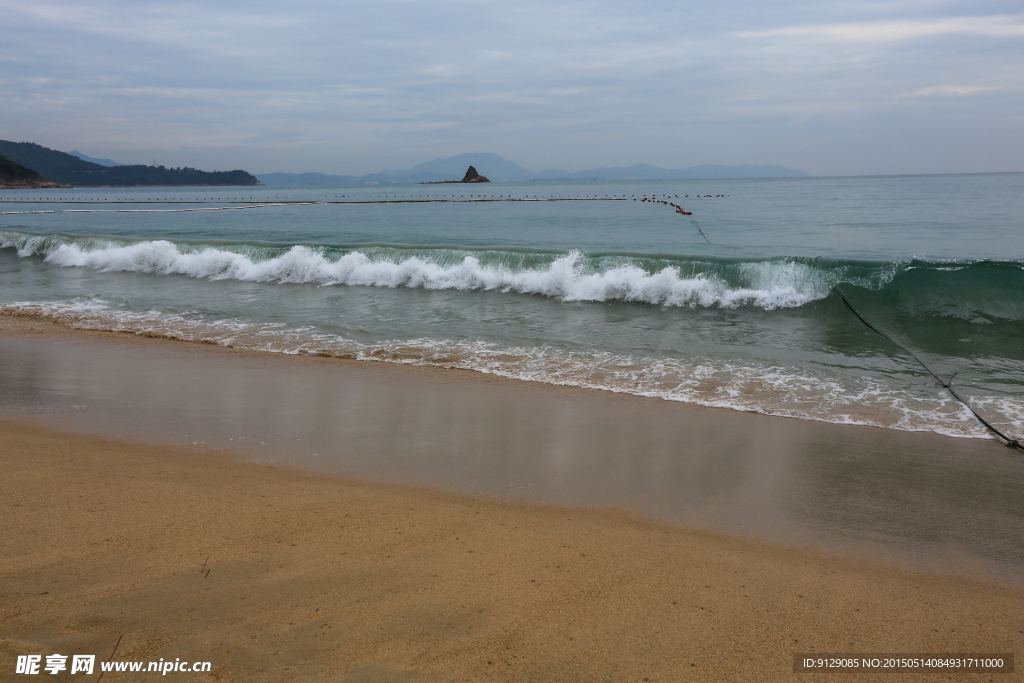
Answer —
581 283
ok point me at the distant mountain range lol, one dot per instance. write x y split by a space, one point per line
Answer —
498 169
78 169
101 162
73 169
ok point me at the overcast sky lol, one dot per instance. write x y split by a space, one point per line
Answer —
831 88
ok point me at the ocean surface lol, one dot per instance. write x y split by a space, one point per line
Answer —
739 305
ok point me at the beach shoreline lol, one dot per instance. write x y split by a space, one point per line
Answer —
273 566
281 568
915 500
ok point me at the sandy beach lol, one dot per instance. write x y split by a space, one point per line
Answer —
290 571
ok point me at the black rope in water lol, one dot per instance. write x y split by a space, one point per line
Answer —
700 231
1012 443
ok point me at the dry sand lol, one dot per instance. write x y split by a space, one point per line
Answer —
322 579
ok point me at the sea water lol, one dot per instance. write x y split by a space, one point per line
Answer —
594 284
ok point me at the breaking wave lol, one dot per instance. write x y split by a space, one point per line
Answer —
570 277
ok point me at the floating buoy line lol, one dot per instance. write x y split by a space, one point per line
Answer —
243 204
202 208
285 202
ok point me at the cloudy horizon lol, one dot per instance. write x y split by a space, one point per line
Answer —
830 89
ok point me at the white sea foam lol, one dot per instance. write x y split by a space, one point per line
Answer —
571 277
799 393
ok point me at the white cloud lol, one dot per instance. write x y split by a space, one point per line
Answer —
945 90
566 84
888 31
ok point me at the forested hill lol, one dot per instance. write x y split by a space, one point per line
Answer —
15 175
70 170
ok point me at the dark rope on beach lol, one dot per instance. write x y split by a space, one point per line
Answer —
947 385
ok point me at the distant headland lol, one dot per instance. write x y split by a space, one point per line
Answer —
70 170
499 169
471 177
15 176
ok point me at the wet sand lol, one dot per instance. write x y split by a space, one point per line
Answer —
918 500
315 577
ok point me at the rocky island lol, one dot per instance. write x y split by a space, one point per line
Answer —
471 177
